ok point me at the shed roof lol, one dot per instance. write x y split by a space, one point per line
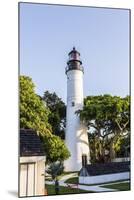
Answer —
30 143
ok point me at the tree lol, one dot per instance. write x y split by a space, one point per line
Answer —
34 114
108 118
94 144
122 146
57 115
55 149
55 169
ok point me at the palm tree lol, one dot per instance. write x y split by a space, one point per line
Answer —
55 169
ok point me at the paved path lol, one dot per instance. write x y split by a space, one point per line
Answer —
94 188
64 178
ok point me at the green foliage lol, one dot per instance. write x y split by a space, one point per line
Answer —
55 169
122 146
94 143
107 118
106 107
34 114
55 149
58 113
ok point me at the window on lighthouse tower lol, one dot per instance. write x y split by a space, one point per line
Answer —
73 103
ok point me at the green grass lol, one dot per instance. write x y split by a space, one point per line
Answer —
73 180
64 190
118 186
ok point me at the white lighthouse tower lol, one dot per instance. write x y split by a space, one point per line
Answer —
76 137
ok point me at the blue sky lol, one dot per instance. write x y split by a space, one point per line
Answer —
48 33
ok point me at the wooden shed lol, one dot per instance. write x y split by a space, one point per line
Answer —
31 164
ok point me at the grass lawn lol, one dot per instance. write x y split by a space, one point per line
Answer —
65 190
73 180
118 186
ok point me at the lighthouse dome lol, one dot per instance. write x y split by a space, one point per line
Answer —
74 62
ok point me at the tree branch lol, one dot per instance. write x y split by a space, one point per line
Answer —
118 125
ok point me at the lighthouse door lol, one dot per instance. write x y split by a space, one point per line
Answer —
84 160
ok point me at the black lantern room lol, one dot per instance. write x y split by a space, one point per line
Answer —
74 62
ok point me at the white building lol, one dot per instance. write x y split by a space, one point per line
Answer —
31 165
76 137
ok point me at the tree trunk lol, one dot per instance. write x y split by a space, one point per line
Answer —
112 151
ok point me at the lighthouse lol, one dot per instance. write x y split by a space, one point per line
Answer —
76 137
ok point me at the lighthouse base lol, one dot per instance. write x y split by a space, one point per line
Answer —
71 166
78 146
76 164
